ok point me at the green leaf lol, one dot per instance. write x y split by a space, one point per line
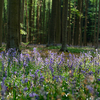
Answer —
23 32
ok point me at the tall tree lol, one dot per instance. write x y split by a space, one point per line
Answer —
96 46
27 21
21 17
1 10
69 24
80 28
13 24
30 20
64 25
51 40
44 5
73 26
37 22
85 29
95 26
58 22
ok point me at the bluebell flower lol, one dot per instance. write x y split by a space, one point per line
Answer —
91 90
33 94
98 79
15 72
82 71
26 80
51 69
90 73
25 89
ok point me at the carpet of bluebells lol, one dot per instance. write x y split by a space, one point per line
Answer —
55 77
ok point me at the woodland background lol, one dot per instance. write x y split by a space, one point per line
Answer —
51 22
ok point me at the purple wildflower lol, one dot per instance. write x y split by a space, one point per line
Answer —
25 89
98 79
33 94
91 90
26 80
51 69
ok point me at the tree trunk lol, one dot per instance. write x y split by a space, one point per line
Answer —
58 22
40 22
77 26
92 38
80 28
86 11
43 21
95 26
1 10
22 17
98 28
64 26
27 35
51 40
33 17
30 20
37 22
69 25
73 27
48 22
13 24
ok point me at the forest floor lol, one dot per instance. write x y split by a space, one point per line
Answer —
44 51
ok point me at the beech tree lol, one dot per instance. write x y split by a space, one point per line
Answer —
1 10
51 40
64 25
13 24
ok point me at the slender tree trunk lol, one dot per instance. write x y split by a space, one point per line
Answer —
30 20
73 27
22 17
1 10
33 17
58 22
64 26
27 22
69 25
43 21
80 28
98 27
77 26
40 22
85 34
37 23
95 26
13 24
49 21
92 38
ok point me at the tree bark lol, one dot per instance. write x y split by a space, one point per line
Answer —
96 46
30 20
73 27
51 40
27 35
1 11
37 23
22 17
69 25
64 26
13 24
95 26
80 28
58 22
85 29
